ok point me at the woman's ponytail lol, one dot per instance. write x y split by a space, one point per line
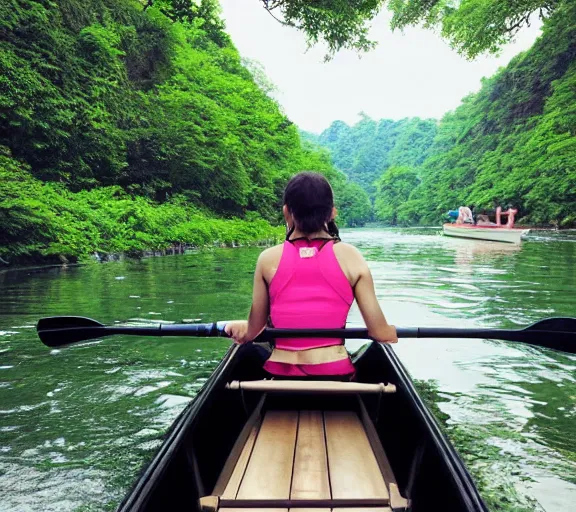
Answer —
333 230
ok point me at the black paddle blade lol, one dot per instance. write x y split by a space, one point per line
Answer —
65 322
56 331
555 333
559 324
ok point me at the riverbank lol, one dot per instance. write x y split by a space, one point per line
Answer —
204 234
42 264
45 223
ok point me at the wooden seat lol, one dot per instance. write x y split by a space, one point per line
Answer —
306 461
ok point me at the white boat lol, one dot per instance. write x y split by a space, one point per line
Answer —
493 233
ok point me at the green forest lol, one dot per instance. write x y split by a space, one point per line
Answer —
511 144
135 125
127 127
369 148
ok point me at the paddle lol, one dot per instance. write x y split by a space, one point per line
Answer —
554 333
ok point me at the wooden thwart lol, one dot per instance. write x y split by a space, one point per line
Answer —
299 386
210 502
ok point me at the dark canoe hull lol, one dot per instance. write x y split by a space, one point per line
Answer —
427 468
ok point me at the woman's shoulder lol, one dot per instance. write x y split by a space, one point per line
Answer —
271 254
351 261
347 251
268 261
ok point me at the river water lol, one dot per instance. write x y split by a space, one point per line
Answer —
78 424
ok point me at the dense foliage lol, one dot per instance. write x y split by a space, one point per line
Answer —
102 93
339 23
393 190
354 205
514 142
149 98
472 26
48 221
367 149
352 201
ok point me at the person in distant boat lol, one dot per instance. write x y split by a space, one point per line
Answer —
483 220
452 215
310 281
464 216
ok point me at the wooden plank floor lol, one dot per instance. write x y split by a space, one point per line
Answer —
307 455
310 474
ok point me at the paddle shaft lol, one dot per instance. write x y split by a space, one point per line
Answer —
197 330
558 338
213 330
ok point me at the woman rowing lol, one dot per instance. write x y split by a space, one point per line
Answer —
310 281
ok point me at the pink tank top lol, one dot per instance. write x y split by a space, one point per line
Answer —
309 290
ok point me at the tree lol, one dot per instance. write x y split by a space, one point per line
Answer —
339 23
471 26
203 14
513 142
394 189
353 204
258 73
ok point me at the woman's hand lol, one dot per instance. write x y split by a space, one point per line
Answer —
237 330
386 335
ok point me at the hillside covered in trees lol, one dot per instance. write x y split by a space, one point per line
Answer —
514 142
367 149
511 144
128 125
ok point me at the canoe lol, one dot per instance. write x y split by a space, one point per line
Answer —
248 443
492 233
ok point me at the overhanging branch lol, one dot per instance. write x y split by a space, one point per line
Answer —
269 6
525 19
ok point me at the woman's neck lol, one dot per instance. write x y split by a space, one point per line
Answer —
318 234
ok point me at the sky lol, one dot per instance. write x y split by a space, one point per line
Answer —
410 73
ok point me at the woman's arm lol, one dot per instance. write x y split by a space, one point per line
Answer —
258 317
360 277
378 327
242 330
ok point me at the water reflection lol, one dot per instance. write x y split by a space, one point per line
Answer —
469 253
